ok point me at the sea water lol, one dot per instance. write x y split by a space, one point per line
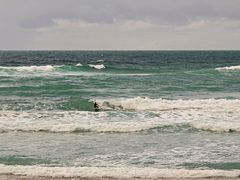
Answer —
161 113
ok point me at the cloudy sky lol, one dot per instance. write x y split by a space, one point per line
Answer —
119 24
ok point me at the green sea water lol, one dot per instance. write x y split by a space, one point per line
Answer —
157 109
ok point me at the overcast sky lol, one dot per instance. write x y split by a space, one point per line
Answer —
119 24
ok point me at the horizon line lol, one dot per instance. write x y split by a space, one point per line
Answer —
119 49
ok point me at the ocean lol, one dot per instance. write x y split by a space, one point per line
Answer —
161 113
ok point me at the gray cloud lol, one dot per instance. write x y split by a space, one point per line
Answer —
27 17
37 13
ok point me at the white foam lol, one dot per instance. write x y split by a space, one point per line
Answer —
30 68
229 68
67 122
217 126
97 66
115 172
146 104
78 64
130 115
219 115
68 128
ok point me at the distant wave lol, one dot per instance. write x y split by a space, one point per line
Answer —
51 68
70 69
229 68
100 60
78 64
30 68
115 172
97 66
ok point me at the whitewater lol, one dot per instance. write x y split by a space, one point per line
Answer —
150 113
162 114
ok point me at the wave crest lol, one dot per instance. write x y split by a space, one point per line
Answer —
229 68
78 64
97 66
146 104
30 68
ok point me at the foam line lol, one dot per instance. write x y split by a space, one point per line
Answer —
115 172
30 68
229 68
143 104
84 121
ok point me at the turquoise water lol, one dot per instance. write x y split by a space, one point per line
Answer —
158 109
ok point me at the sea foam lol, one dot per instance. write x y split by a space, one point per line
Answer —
139 114
130 115
146 104
115 172
229 68
97 66
78 64
216 126
30 68
67 122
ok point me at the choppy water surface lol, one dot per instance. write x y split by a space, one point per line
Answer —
158 111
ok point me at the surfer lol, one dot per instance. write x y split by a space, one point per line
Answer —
96 106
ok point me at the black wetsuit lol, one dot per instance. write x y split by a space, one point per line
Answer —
96 107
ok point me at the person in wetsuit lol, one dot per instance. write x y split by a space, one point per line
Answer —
96 106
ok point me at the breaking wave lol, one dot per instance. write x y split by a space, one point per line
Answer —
72 122
229 68
78 64
52 68
131 115
97 66
72 69
147 104
115 172
30 68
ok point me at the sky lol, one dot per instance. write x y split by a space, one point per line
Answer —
119 24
